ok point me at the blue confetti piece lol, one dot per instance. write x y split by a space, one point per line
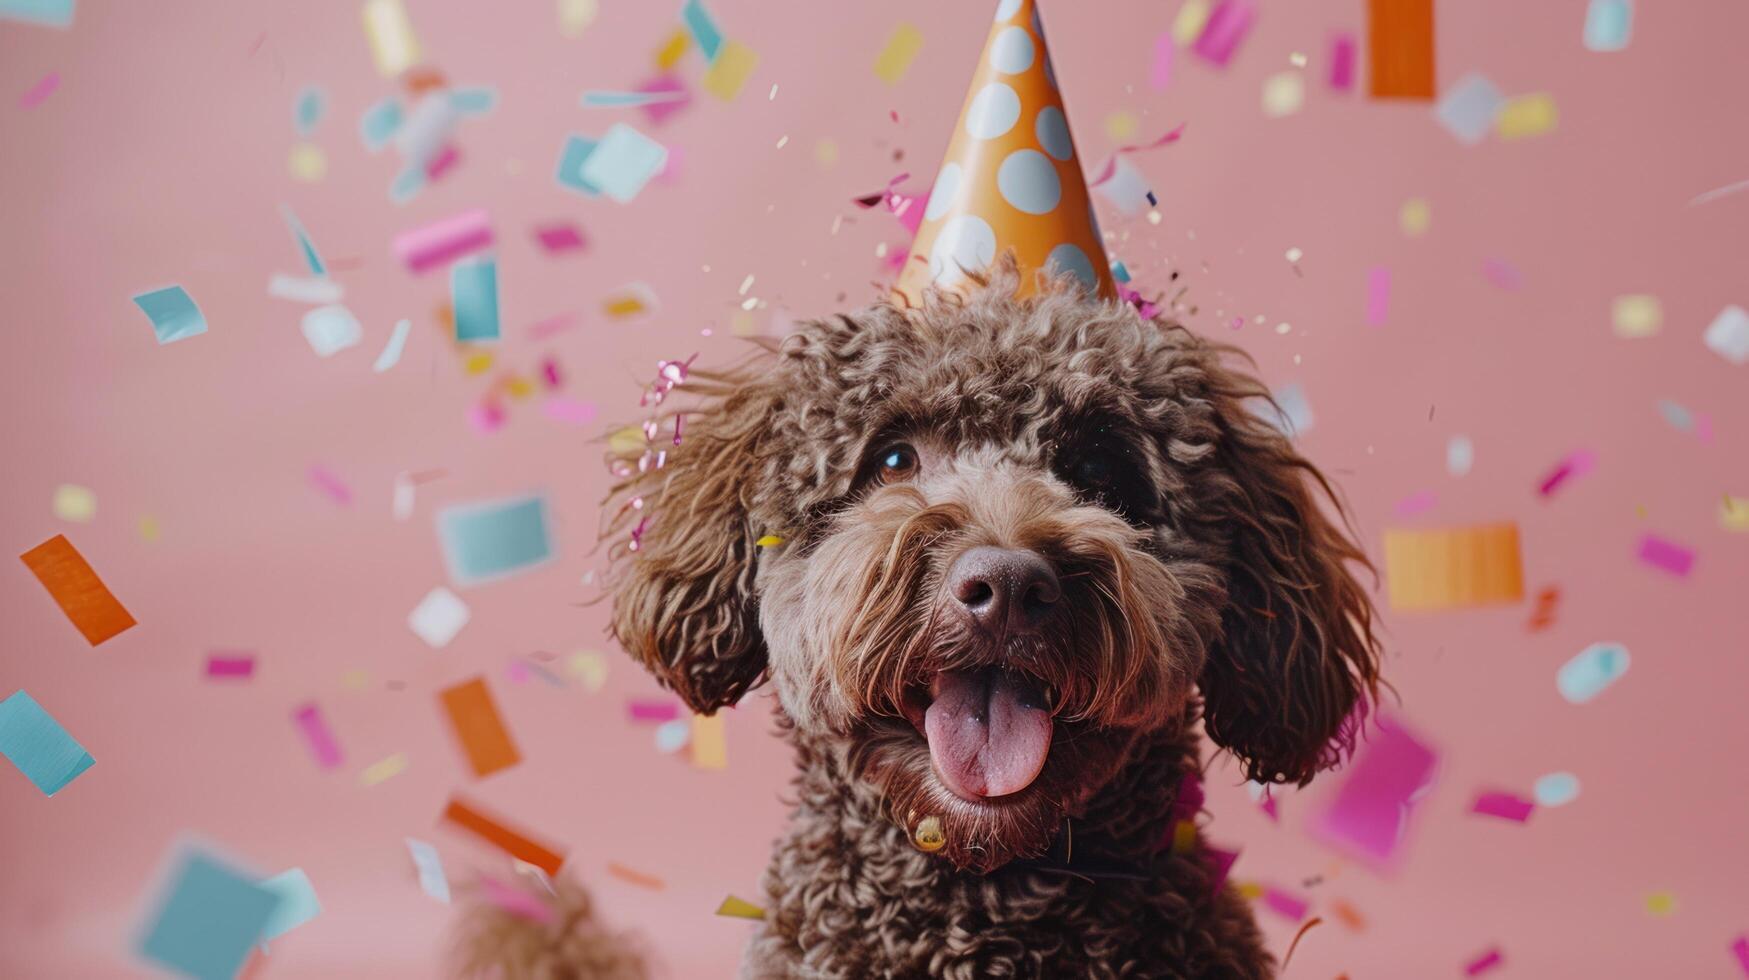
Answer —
311 256
1468 108
473 297
431 877
473 101
209 919
1609 25
623 162
1678 417
1591 671
1120 272
309 108
704 29
406 185
37 744
174 315
488 541
297 902
47 13
577 150
1293 411
1557 789
379 124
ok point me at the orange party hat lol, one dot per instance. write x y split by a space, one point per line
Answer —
1011 180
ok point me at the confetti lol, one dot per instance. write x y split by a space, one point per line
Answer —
647 709
1666 555
667 94
569 410
312 258
317 735
638 878
1400 48
673 49
902 47
1502 274
589 667
560 237
442 242
510 841
1453 567
1460 455
1506 806
1734 513
1739 949
383 769
1342 57
473 101
1609 25
390 33
173 313
432 880
1288 906
709 749
1544 615
1378 295
703 29
1591 671
730 70
600 98
629 300
740 908
315 290
1414 217
438 617
1574 466
228 666
768 541
1293 412
44 13
391 353
672 736
207 919
1469 108
379 124
1661 904
1390 773
1347 914
307 110
75 587
474 717
32 740
297 902
483 542
1483 963
74 503
1419 502
1283 94
1728 335
1523 116
576 15
1556 789
1226 27
1160 68
473 295
44 88
331 329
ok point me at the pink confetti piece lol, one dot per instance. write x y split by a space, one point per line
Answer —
1501 273
549 373
442 162
1740 949
569 410
1270 807
1391 772
1574 466
644 709
1220 864
486 417
1109 169
552 325
672 167
318 735
1506 806
1378 295
442 242
229 665
559 238
1342 51
1666 555
1289 907
1483 963
44 88
516 901
658 111
1160 69
1419 502
1703 428
336 489
517 671
1225 28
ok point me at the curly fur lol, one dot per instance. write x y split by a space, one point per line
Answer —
1219 572
497 943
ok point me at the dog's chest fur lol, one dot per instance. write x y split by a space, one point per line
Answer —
848 896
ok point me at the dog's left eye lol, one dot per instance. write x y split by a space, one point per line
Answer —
896 464
1095 472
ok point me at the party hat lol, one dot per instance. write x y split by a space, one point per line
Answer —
1011 180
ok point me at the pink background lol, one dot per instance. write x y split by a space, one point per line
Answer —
162 158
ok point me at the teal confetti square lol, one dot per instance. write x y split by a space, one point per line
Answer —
37 744
308 111
173 313
1609 25
623 162
571 159
704 29
473 297
487 541
209 919
297 902
379 124
48 13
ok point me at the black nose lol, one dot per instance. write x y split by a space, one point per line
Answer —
1004 588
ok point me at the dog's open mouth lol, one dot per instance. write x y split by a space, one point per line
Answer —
989 730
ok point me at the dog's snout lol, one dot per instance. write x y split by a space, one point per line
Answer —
1004 588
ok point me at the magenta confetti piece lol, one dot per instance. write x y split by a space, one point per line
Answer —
1740 949
560 238
1506 806
516 901
442 162
1666 555
1109 169
553 325
549 373
1220 864
1574 466
317 734
1270 808
486 417
44 88
227 665
1419 502
336 489
442 242
1283 904
1378 295
1501 273
1342 62
1225 28
658 111
1391 772
645 709
517 671
1483 963
1160 69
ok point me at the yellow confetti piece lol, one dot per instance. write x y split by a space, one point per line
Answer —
1249 890
1661 904
75 503
1414 217
769 541
392 43
590 668
1637 315
825 153
735 61
1191 19
743 324
1121 125
895 59
628 441
519 387
1283 94
1734 513
575 16
149 528
673 49
478 362
740 908
1183 836
1526 115
388 768
709 749
355 680
1446 568
308 163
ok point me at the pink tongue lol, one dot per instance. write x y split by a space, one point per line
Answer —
987 734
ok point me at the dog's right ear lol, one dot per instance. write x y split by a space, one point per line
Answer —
684 603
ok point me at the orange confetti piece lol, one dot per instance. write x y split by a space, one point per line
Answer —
1453 567
1544 615
1347 914
511 842
1400 46
638 878
76 588
479 727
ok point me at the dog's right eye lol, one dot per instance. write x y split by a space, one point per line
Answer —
895 464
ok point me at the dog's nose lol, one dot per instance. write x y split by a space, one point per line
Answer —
1004 588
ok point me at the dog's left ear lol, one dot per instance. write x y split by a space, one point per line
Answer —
684 603
1296 653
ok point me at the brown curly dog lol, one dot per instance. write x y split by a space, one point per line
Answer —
1019 537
